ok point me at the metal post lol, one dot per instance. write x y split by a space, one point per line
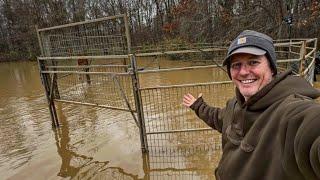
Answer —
126 25
302 57
128 37
49 94
138 104
290 49
39 40
313 78
146 165
54 81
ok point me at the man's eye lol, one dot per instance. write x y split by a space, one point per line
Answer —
236 65
253 63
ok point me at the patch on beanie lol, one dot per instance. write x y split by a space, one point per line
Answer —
242 40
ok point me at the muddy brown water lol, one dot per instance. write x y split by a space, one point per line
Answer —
92 143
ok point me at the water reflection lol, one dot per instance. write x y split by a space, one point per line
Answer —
23 113
161 162
77 163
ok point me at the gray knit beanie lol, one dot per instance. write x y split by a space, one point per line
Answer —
252 42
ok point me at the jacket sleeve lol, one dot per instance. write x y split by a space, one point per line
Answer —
212 116
307 144
302 142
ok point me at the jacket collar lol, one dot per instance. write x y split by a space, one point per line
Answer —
281 86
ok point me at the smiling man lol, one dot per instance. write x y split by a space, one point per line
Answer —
271 128
250 73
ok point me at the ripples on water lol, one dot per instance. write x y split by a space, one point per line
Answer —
23 116
91 142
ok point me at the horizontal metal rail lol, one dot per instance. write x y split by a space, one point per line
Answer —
186 85
87 66
310 53
287 52
288 60
84 57
176 69
309 67
296 53
295 46
294 40
180 130
81 23
201 67
94 105
287 43
180 52
82 72
309 47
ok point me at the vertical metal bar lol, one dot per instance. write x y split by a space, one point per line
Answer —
117 83
52 91
126 24
146 165
39 41
313 78
45 83
138 103
290 49
54 81
302 57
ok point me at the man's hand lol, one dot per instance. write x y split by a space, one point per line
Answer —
188 99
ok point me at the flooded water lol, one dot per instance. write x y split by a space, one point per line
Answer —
91 143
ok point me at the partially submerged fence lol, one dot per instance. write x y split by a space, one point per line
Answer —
90 63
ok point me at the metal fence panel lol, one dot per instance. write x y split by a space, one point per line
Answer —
105 36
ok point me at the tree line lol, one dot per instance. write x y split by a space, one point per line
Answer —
158 21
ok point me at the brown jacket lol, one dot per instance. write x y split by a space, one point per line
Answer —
275 135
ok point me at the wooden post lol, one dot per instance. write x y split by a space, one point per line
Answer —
138 104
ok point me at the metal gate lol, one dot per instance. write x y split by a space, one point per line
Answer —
90 63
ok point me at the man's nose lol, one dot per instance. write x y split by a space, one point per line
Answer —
244 69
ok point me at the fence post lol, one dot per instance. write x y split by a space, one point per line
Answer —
313 78
48 86
127 31
302 57
39 41
138 104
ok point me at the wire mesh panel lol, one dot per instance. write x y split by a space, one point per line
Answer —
106 84
105 36
181 163
176 138
294 65
164 110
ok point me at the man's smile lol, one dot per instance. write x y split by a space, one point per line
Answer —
248 81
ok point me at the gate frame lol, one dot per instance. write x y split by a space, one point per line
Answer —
50 82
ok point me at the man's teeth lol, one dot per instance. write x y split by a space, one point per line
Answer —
247 81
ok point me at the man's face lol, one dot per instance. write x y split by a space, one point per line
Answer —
250 73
